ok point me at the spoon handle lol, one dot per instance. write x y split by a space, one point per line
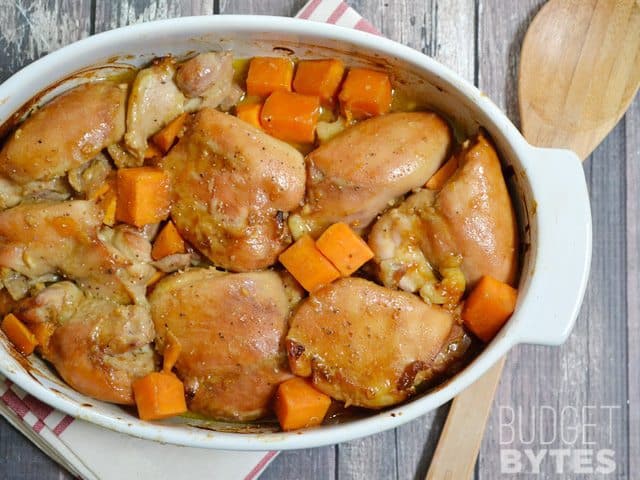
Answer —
457 450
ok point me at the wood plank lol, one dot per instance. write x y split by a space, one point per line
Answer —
632 124
286 8
588 373
113 14
501 29
416 443
31 29
442 29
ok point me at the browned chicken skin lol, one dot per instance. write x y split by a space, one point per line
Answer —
354 176
231 328
99 347
365 344
468 228
65 133
63 238
103 348
208 76
232 187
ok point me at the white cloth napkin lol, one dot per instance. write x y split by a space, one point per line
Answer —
80 446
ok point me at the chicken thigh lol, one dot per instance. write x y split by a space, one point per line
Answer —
232 188
97 346
365 344
438 242
355 175
65 133
63 238
103 348
231 328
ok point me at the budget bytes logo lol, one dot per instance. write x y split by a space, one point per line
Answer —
558 440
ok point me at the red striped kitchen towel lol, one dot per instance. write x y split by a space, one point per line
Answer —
79 446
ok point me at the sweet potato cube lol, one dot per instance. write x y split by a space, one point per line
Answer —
268 74
159 395
18 333
42 332
291 117
307 265
168 242
299 405
166 137
344 248
488 307
143 196
438 179
320 78
109 203
152 151
365 93
250 113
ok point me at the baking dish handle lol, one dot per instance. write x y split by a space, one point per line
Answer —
561 237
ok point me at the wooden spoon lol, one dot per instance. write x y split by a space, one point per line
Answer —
579 72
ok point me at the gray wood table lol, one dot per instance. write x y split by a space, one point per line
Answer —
575 407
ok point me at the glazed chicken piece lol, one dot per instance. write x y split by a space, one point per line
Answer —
103 348
49 308
64 238
54 304
154 101
365 344
438 242
91 176
97 346
208 77
358 173
65 133
232 188
231 328
10 193
56 189
451 357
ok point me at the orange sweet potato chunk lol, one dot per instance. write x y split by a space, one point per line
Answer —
168 242
18 333
291 117
320 78
250 113
344 248
159 395
143 195
438 179
365 93
299 405
307 265
166 137
488 307
268 74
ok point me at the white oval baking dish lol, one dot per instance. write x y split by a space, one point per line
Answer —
549 189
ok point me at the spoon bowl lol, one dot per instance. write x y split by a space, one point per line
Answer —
576 83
